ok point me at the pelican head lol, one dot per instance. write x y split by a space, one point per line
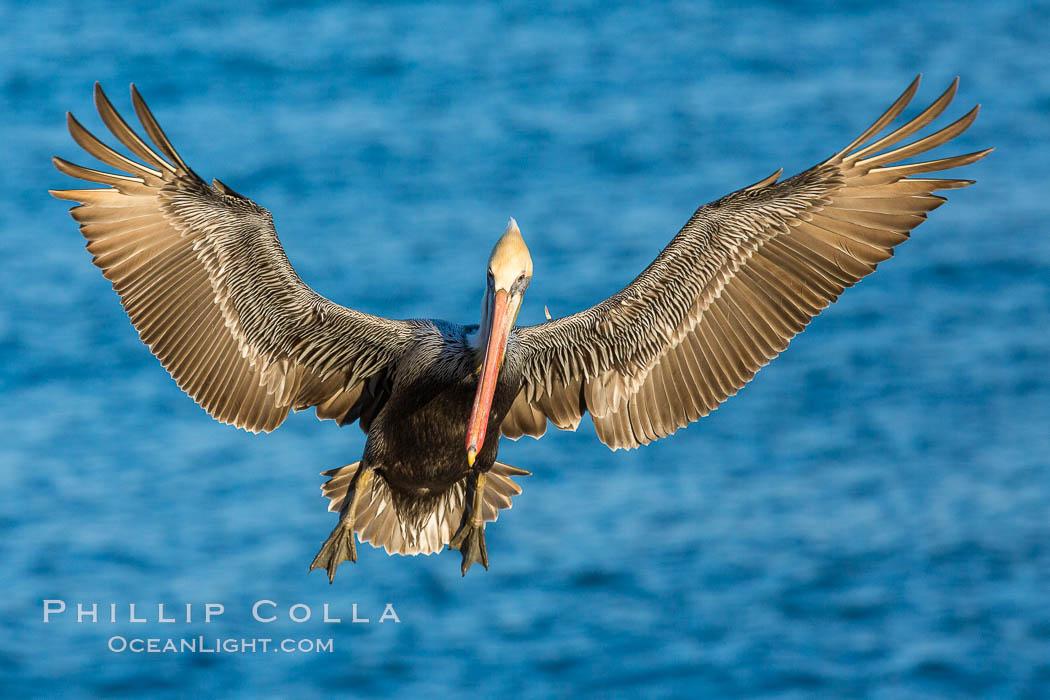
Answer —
509 272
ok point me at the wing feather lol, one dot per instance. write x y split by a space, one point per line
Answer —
743 276
204 279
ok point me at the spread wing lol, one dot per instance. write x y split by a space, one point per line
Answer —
742 277
201 273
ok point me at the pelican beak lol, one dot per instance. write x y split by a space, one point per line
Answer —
503 307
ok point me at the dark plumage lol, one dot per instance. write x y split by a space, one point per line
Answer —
205 281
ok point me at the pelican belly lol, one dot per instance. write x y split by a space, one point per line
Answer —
416 441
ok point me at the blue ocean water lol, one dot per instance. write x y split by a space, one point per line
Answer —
870 516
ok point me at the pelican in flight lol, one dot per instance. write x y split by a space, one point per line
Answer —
203 277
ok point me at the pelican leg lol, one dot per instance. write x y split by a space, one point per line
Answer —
340 545
470 540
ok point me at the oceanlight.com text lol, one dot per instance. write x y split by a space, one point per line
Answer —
217 645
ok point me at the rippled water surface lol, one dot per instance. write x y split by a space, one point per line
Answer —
871 515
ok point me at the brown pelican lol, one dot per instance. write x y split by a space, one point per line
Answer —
203 277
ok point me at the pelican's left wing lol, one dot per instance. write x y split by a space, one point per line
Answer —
742 277
201 273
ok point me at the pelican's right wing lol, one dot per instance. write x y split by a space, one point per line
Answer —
203 277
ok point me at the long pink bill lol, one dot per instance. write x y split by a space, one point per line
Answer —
495 347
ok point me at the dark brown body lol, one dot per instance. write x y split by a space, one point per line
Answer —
415 443
415 489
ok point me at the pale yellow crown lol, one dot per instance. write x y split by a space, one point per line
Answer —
510 258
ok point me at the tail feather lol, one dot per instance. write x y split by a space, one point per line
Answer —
404 525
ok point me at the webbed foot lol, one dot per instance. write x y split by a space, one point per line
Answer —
339 547
470 539
471 542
